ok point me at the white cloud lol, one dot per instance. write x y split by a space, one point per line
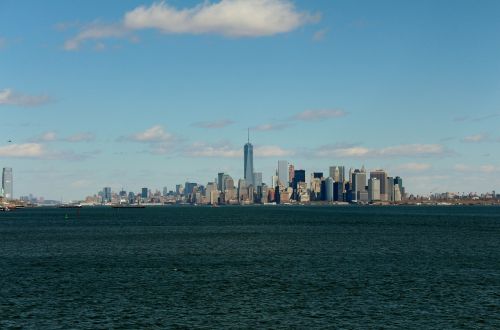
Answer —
461 168
200 149
271 151
408 150
269 127
9 97
226 150
80 137
413 150
231 18
214 124
234 18
320 35
152 135
310 115
47 137
95 31
488 168
25 150
414 167
475 138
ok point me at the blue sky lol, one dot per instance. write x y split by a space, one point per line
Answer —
138 93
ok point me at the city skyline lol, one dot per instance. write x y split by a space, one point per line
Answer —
102 97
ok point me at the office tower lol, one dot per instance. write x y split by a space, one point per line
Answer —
283 173
329 189
106 194
220 181
274 181
315 184
317 175
381 175
131 197
165 191
7 183
298 176
337 173
351 172
390 189
397 193
242 190
373 189
291 173
257 179
189 188
359 186
398 181
144 193
248 162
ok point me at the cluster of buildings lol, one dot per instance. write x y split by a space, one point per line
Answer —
287 185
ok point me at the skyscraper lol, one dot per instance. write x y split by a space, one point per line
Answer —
7 183
283 172
248 162
106 194
381 175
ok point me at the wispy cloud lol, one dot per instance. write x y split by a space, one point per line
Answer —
214 124
476 138
160 141
10 97
230 18
23 150
227 150
52 136
269 127
320 35
152 135
80 137
94 31
311 115
476 118
414 167
407 150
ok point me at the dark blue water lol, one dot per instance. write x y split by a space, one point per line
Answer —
251 267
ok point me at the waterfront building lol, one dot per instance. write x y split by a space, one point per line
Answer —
390 189
315 184
283 173
242 190
7 183
144 193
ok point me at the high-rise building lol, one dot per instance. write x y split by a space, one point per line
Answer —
337 173
144 193
381 175
329 189
106 194
248 162
291 173
283 173
373 189
7 183
298 176
165 191
257 179
358 187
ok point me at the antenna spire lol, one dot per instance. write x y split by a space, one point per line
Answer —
249 135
